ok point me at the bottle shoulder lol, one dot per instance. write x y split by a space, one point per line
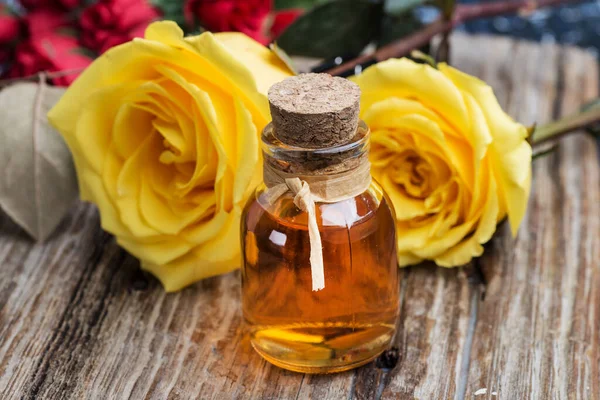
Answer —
345 213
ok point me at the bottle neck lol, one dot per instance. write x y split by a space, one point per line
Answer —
329 175
322 161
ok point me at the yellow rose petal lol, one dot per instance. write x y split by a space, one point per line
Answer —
410 238
405 206
187 269
453 162
128 189
164 133
161 251
213 258
506 133
246 176
514 174
406 259
217 249
463 252
207 230
479 134
264 65
130 128
403 106
157 212
91 137
403 78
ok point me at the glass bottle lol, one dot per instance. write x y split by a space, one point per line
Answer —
353 318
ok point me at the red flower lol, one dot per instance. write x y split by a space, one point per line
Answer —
10 28
53 52
246 16
42 22
32 5
111 22
5 56
283 19
70 4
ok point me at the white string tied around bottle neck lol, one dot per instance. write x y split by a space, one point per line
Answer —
311 189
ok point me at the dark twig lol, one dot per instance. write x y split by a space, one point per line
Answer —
443 50
462 13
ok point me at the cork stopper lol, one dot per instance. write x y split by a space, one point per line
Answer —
314 110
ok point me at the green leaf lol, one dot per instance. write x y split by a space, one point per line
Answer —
400 7
305 4
172 10
68 31
83 51
334 28
7 10
399 26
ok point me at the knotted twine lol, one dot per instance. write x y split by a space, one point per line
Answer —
311 189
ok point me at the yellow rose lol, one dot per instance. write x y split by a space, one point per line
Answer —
164 132
452 162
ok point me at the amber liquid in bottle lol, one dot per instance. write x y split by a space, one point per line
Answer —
351 320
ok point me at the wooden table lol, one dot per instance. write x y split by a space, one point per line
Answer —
79 320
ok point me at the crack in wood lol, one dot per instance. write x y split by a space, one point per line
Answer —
66 328
300 387
557 103
476 297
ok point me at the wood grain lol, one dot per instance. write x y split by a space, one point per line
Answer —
79 320
537 330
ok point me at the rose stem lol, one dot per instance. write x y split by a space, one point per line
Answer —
462 13
564 126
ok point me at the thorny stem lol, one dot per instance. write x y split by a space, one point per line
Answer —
462 13
564 126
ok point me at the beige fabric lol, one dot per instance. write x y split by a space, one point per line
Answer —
311 189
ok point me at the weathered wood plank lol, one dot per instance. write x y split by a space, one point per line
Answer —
432 333
37 283
78 319
537 329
